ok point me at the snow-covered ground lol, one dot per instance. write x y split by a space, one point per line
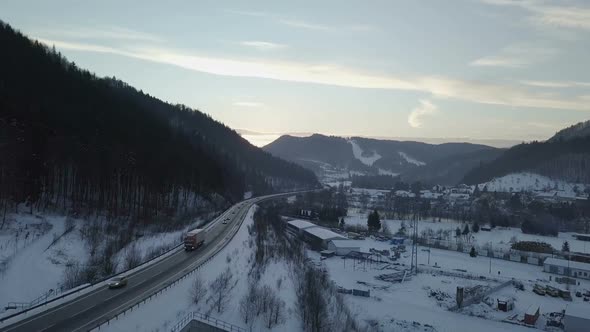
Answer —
40 258
499 237
357 151
517 182
33 245
163 312
400 306
411 160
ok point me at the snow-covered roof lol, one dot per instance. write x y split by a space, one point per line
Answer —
348 244
324 234
301 224
577 310
566 263
532 310
195 231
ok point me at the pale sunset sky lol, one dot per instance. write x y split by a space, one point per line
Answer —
472 69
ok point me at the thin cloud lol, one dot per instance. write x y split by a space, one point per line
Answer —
500 61
248 104
100 33
426 108
557 84
263 45
575 17
248 13
516 56
331 74
305 25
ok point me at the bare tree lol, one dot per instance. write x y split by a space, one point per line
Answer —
248 305
199 290
132 257
275 313
73 275
221 289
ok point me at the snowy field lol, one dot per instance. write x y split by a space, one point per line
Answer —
397 306
164 311
499 237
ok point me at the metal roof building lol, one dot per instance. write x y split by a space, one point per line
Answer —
576 318
567 268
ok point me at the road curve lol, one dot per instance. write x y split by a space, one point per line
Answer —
86 311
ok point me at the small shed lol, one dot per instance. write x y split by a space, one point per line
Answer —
532 314
505 304
576 318
327 253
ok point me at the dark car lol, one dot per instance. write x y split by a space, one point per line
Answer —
118 282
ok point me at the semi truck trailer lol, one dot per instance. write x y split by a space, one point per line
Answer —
194 239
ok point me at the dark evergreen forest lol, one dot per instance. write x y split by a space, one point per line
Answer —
560 159
73 141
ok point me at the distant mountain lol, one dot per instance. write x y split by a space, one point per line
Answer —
437 163
71 139
566 156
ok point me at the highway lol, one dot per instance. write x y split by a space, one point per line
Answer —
86 311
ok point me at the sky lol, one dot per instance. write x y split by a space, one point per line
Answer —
514 70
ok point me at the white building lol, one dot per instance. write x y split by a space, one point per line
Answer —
567 268
576 318
297 226
343 247
319 237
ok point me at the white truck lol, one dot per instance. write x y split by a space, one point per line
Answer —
194 239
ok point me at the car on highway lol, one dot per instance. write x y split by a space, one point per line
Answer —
118 282
225 221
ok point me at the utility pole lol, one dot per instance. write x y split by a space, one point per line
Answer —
490 257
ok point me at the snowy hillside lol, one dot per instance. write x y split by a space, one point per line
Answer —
359 154
517 182
164 311
33 246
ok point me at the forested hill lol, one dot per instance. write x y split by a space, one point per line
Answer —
69 138
567 160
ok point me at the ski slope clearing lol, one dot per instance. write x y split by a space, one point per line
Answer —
359 154
411 160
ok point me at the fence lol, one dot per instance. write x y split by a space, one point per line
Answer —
195 315
527 257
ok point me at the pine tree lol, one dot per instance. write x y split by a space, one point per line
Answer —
565 247
374 221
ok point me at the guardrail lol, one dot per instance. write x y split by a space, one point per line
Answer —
136 305
195 315
34 304
255 200
76 290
